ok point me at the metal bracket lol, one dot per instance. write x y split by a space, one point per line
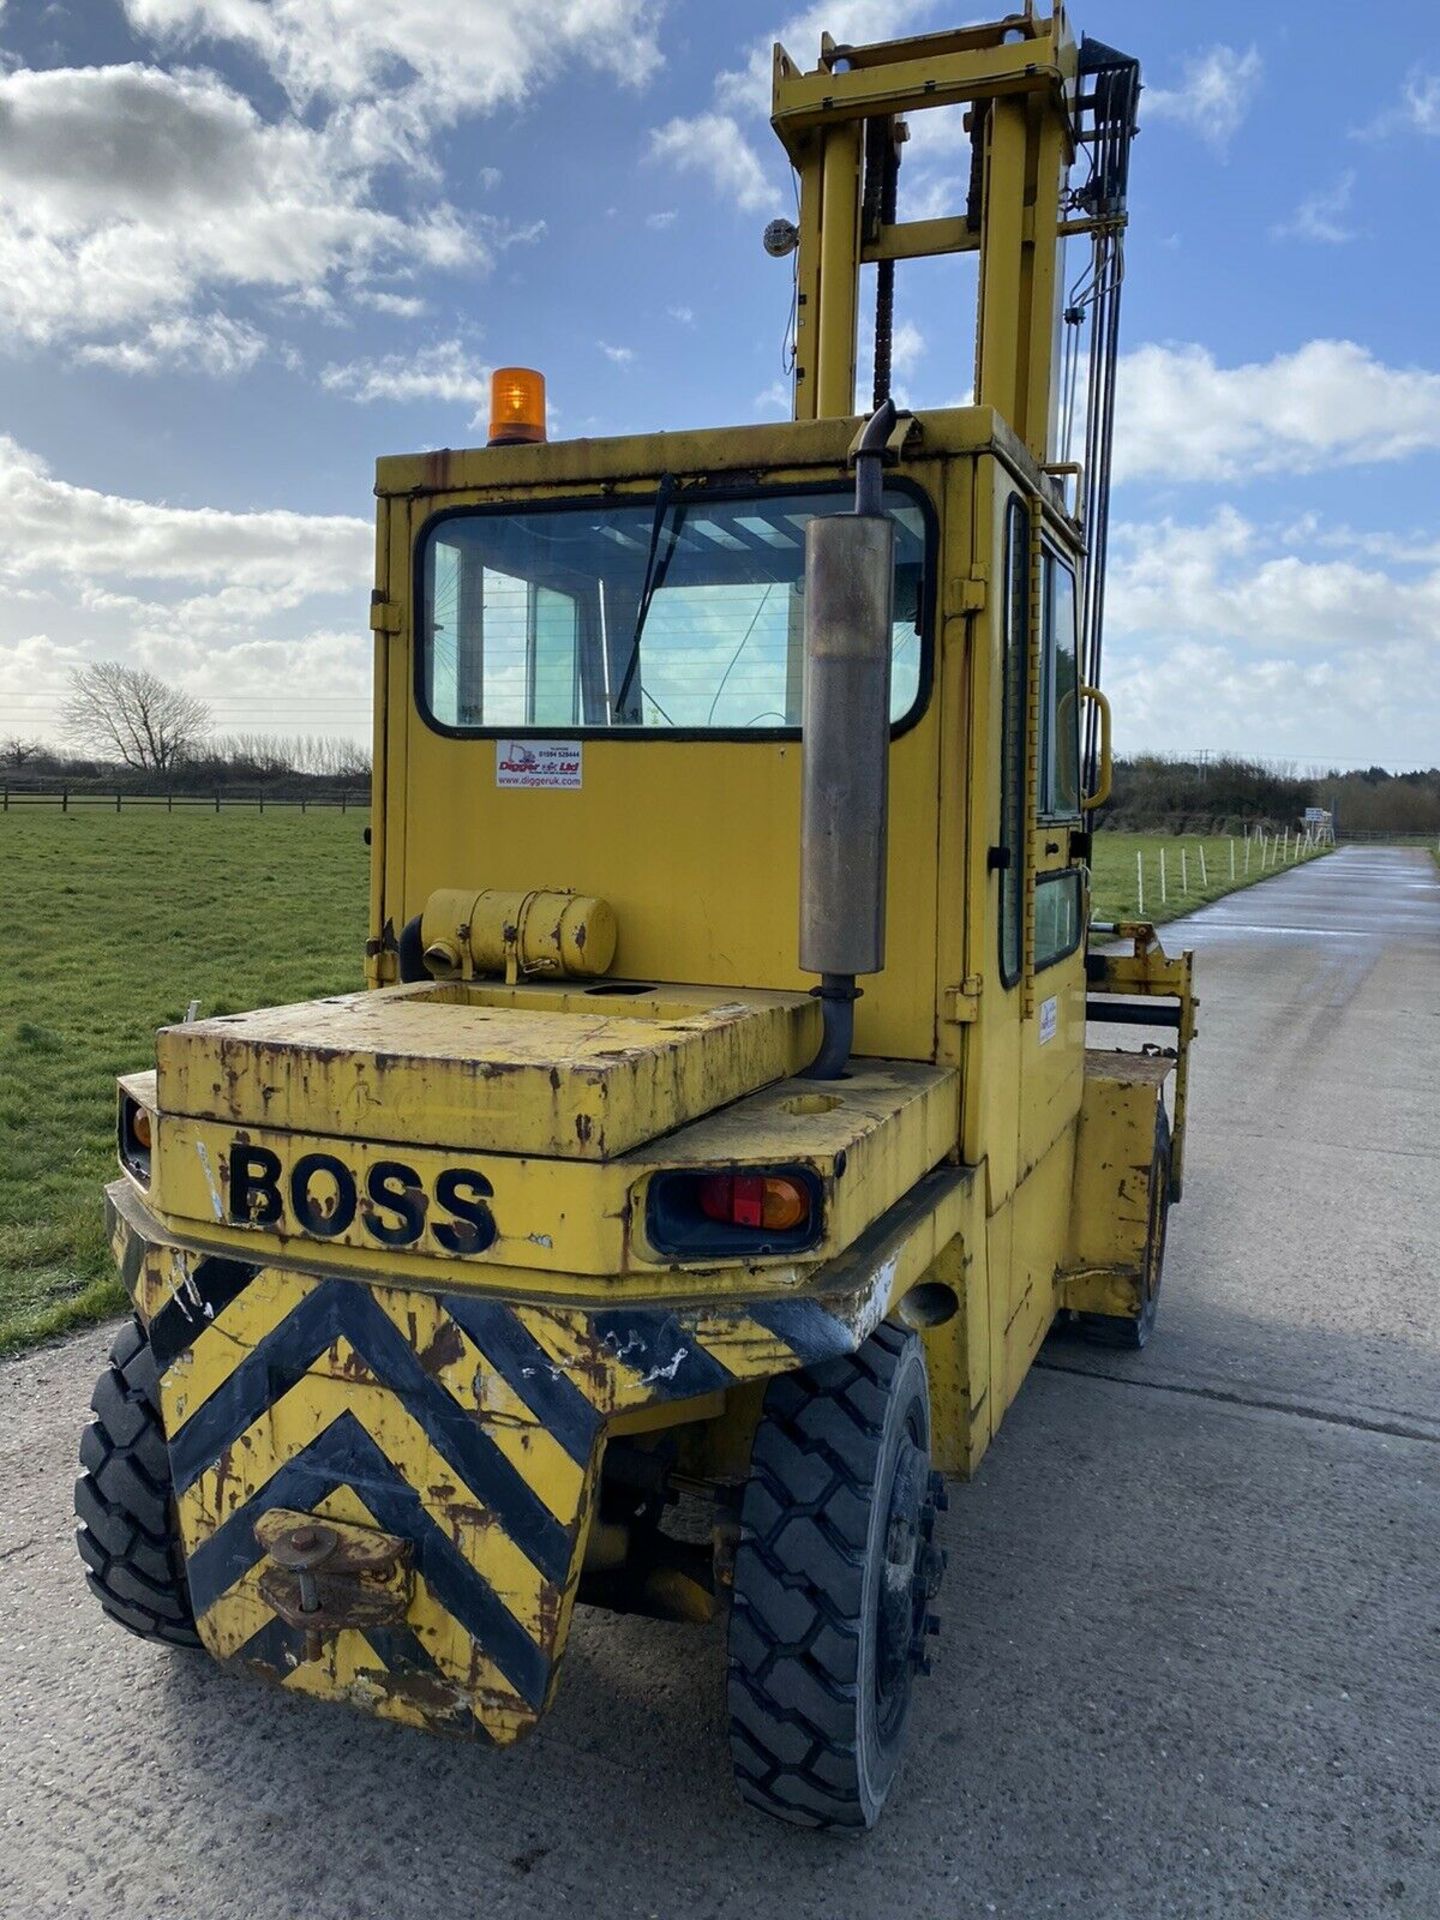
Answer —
906 426
326 1575
962 1003
384 614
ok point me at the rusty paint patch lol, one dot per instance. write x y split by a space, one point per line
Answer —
444 1349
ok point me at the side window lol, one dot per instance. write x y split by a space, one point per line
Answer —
1057 916
1060 694
1012 758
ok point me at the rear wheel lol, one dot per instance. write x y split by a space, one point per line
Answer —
833 1579
1115 1330
128 1537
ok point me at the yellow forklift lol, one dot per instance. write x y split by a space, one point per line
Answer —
612 1245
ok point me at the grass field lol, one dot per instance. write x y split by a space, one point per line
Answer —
1116 879
114 923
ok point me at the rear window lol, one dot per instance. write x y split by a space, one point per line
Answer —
682 613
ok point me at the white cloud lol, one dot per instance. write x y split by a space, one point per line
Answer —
50 528
211 343
127 193
1233 579
1230 633
713 144
446 370
405 306
1216 92
261 613
1417 110
1331 403
412 58
683 316
1323 215
661 219
622 356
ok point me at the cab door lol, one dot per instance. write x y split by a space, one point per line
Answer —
1055 911
1053 1033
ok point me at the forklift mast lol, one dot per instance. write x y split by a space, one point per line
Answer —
1040 108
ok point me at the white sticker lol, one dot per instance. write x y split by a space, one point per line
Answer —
1049 1019
537 763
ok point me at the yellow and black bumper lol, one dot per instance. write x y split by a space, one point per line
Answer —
467 1427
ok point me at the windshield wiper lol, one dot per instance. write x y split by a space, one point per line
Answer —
655 570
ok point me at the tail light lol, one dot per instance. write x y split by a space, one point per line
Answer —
135 1137
774 1200
735 1213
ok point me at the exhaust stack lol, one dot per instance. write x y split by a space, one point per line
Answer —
845 724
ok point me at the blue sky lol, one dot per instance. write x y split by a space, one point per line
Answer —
248 245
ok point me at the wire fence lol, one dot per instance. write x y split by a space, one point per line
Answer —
1199 870
77 799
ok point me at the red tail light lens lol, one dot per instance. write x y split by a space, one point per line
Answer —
755 1200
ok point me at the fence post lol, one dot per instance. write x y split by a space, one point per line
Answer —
1232 859
262 803
1184 874
343 797
1164 895
1247 850
65 799
7 796
1204 873
302 803
170 800
117 802
1139 886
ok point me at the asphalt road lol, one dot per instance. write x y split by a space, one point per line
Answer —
1192 1657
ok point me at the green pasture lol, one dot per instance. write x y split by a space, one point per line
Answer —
112 924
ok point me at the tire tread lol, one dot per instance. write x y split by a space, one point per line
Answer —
127 1536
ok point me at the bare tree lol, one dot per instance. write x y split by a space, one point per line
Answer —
18 753
128 714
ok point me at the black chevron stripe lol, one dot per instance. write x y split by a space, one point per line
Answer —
665 1353
806 1326
528 1371
285 1355
344 1455
215 1282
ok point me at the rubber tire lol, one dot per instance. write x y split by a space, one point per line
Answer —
1121 1331
803 1624
128 1537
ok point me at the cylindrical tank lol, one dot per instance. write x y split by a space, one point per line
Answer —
565 935
849 574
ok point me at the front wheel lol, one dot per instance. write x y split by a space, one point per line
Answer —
833 1579
128 1537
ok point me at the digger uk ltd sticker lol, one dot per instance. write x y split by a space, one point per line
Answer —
537 763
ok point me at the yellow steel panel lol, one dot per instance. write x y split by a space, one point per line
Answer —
1041 1208
562 1215
458 1066
886 1122
1115 1147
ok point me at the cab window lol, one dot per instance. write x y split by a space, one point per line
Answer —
677 614
1012 756
1060 693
